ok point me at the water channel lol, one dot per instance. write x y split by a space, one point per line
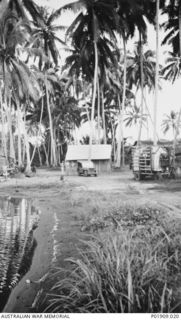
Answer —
18 220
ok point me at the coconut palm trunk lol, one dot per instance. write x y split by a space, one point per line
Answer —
93 97
124 99
119 137
179 115
33 154
149 114
121 111
39 155
98 110
103 115
156 74
27 147
46 155
52 147
19 135
142 88
8 112
113 139
4 146
41 115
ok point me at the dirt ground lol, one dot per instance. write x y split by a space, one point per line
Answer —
64 205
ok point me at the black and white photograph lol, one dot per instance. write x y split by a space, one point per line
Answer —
90 159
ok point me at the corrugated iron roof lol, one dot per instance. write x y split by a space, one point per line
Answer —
82 152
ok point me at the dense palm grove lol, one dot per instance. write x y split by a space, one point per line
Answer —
98 82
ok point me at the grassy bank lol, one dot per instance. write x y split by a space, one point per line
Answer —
131 264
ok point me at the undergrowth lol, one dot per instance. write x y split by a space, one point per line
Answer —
125 216
133 268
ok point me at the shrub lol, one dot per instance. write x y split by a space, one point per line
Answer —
127 217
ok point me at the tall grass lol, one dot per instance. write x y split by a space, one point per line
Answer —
128 271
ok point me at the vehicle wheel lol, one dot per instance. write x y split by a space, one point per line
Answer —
172 173
142 176
137 176
158 176
86 173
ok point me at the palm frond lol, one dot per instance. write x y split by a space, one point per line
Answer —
74 24
33 9
74 6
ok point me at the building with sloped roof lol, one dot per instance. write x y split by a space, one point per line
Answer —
99 154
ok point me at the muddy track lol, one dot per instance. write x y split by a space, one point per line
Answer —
65 204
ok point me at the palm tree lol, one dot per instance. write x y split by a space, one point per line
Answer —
134 69
141 75
22 7
66 118
156 74
18 83
89 33
173 25
133 116
48 79
132 16
45 39
125 18
45 35
80 68
169 123
172 70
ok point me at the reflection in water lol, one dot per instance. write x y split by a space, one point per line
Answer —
18 219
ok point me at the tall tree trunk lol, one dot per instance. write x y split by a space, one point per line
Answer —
2 111
119 136
98 111
48 149
19 134
103 116
121 111
156 74
39 155
84 97
88 116
33 153
28 164
179 115
24 153
124 100
113 140
149 114
4 146
52 148
39 130
46 155
179 19
142 87
12 151
55 139
93 97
